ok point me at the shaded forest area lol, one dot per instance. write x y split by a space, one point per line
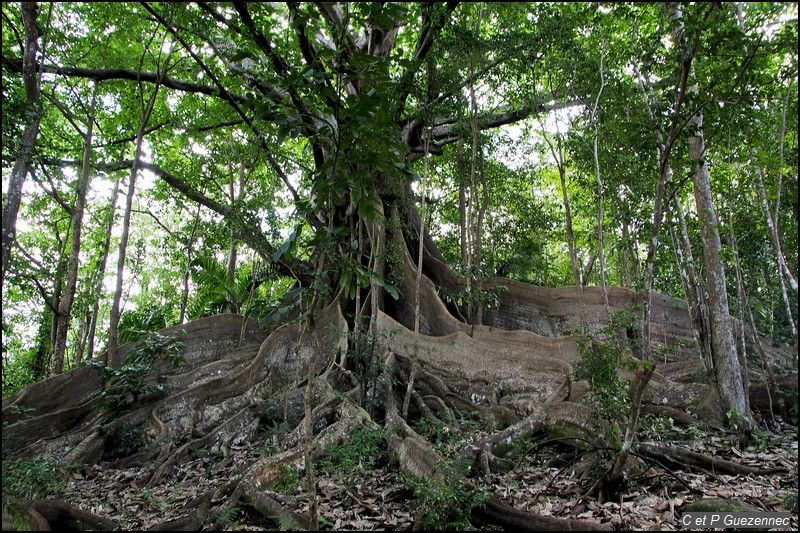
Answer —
371 265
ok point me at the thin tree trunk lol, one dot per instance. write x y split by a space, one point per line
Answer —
111 354
65 305
231 270
767 362
80 345
40 366
58 290
779 184
471 207
658 216
413 373
700 319
783 270
484 204
101 269
664 168
558 157
462 206
628 254
421 239
600 215
690 292
33 114
189 253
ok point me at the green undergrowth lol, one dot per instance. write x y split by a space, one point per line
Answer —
137 375
33 478
363 451
444 504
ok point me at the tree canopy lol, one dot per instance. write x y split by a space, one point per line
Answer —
618 180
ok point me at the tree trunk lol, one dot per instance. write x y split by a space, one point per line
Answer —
462 206
696 297
421 239
101 269
111 354
33 115
742 348
80 338
65 305
726 361
558 156
690 294
600 215
189 253
231 270
783 270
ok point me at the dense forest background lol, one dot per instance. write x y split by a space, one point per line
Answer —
164 163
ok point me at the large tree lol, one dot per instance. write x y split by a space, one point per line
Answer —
342 114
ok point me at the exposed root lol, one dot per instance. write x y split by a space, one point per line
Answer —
689 459
270 507
167 464
500 514
46 515
678 416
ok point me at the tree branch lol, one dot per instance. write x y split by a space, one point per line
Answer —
431 28
15 65
249 231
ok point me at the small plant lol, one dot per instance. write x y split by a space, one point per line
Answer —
174 497
446 441
760 441
656 427
362 452
134 378
227 516
601 357
289 479
33 478
150 500
444 504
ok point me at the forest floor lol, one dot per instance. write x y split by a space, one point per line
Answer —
357 489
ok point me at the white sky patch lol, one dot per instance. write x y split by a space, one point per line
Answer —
173 99
198 148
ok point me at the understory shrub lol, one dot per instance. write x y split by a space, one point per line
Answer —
444 504
33 478
362 451
135 378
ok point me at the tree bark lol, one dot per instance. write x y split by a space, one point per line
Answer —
742 348
726 362
33 114
65 305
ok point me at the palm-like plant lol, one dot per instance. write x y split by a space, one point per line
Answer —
216 292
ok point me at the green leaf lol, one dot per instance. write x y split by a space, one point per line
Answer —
288 244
